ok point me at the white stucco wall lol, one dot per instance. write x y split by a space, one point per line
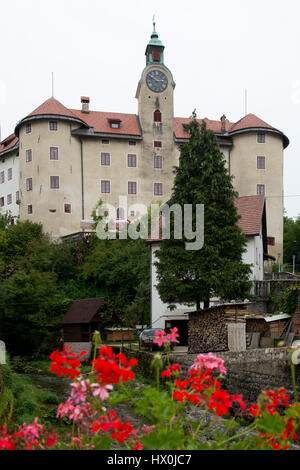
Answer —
254 255
10 186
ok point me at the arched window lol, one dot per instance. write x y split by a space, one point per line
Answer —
157 115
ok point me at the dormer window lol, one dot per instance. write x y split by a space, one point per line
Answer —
115 123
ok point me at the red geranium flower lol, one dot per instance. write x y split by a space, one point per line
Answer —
113 368
220 402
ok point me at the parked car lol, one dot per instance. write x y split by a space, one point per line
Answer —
146 339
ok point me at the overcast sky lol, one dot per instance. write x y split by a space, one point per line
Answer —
215 51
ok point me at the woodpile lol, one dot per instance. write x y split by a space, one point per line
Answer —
208 328
119 334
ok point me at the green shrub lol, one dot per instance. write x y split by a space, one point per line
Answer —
28 405
49 398
25 418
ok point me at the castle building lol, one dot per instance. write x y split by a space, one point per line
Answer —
59 162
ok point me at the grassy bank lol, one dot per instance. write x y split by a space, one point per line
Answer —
20 400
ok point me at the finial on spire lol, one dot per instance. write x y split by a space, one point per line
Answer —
154 33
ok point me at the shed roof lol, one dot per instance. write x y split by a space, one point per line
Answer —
84 310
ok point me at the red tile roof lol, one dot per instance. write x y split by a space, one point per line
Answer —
250 208
248 121
8 143
214 126
52 106
130 126
100 122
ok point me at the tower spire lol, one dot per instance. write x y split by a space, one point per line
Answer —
155 48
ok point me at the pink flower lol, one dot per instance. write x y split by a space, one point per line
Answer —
80 411
64 409
101 391
173 335
79 390
160 337
32 430
210 362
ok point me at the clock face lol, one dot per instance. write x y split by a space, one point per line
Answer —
157 81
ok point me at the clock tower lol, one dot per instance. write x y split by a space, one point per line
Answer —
156 114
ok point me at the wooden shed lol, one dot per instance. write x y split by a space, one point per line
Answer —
82 319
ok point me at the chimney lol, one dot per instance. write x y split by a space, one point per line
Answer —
223 123
85 101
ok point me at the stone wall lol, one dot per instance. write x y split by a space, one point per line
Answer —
77 348
249 372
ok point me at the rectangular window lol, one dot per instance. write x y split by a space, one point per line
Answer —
17 196
260 189
67 208
157 161
115 125
29 209
2 177
29 184
105 159
9 174
271 241
131 160
131 142
9 199
261 163
156 55
157 143
105 186
131 187
1 201
28 128
54 182
105 141
53 153
261 137
28 155
158 189
53 125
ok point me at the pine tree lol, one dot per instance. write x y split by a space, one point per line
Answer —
216 269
